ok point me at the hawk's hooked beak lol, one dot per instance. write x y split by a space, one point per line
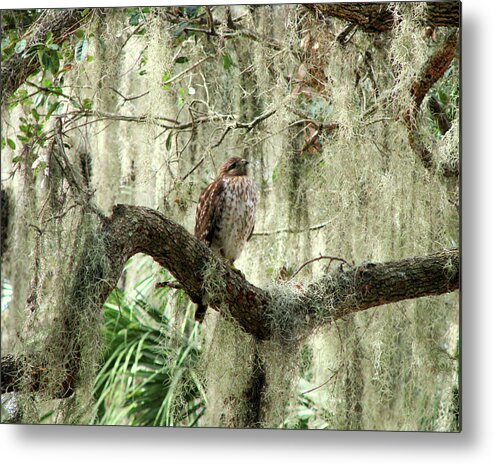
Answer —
246 163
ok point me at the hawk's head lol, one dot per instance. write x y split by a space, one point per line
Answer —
234 166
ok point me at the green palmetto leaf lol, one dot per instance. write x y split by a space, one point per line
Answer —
148 377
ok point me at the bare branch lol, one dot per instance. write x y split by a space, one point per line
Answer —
126 99
379 17
289 230
250 125
210 19
186 71
319 258
433 70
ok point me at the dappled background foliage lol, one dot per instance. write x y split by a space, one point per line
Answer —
152 101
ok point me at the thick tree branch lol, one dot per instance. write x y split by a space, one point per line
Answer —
134 229
376 284
15 71
433 70
379 17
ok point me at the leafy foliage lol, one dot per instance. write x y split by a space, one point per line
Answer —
148 376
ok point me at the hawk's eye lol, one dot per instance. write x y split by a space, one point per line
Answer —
234 165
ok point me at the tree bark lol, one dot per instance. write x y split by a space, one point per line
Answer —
439 115
375 284
379 17
134 229
6 211
433 70
15 71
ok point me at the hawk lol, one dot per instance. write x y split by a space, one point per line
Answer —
225 215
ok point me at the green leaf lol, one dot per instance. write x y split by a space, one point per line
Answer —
54 47
80 33
81 49
164 78
134 19
20 46
39 99
45 59
143 374
169 141
87 104
227 61
55 63
5 42
52 108
181 60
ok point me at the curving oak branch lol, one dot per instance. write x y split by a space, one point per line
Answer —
379 17
136 229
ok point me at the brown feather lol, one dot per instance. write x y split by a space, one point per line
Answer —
208 210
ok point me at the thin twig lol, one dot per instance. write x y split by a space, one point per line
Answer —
189 173
135 31
225 132
321 385
341 37
185 71
48 90
210 19
250 125
61 215
331 258
290 230
126 99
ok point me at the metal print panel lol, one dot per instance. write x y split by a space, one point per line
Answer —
232 216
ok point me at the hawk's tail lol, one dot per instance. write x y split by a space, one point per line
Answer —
200 312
